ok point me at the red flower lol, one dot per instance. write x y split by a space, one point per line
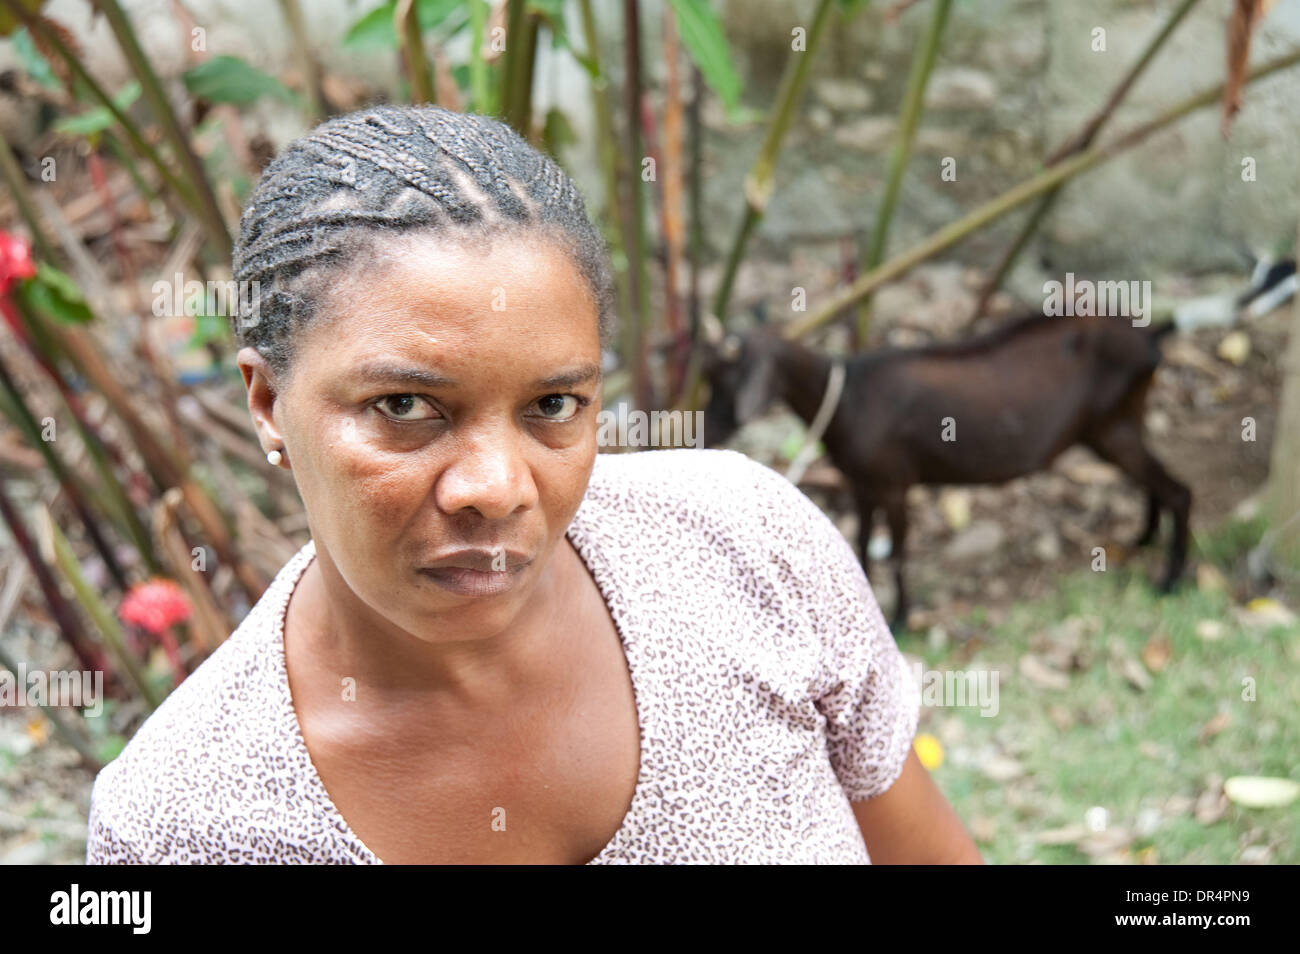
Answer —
155 606
15 261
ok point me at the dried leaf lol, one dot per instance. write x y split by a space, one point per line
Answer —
1157 651
1135 674
1246 15
1042 675
1214 727
37 729
1002 768
955 507
1069 835
1209 579
1211 630
1235 347
1211 804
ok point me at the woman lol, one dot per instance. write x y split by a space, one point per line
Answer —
499 646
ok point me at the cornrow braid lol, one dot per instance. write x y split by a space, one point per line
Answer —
387 170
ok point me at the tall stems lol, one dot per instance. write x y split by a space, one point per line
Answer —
1081 140
634 342
759 182
1014 198
65 617
616 227
166 117
512 62
17 184
417 64
178 187
307 66
90 601
927 49
1283 494
66 732
479 76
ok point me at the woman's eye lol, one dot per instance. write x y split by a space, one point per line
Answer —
405 407
560 407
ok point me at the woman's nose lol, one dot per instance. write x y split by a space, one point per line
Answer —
488 475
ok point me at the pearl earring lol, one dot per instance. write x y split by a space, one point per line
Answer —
274 458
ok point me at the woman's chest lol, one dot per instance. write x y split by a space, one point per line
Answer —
551 793
543 777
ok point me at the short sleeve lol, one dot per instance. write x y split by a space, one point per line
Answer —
105 843
865 690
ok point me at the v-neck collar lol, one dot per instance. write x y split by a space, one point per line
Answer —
584 540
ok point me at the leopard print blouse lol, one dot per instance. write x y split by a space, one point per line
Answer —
770 693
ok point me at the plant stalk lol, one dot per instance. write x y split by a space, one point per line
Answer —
1081 140
927 48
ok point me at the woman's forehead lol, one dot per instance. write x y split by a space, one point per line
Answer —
426 300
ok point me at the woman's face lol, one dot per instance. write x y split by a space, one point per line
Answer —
440 422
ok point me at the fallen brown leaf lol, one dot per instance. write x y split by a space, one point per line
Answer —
1157 651
1214 727
1042 675
1135 674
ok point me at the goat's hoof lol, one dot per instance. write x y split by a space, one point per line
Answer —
1169 584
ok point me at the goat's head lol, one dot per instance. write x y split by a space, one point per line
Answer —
741 372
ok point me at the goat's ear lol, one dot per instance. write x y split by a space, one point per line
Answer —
755 393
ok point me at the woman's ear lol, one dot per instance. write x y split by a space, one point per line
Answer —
262 392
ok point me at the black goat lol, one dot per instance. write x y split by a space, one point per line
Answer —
985 410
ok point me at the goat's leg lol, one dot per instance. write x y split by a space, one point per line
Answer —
1179 498
1152 521
895 506
866 521
1121 444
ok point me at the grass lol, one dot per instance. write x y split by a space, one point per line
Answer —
1025 779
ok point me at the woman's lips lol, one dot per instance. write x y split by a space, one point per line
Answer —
466 582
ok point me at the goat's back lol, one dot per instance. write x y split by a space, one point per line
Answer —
994 407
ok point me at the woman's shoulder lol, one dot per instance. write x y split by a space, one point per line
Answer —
719 498
710 481
195 755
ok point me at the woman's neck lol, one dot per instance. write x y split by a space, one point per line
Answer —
331 634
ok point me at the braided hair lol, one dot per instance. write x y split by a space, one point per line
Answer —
387 170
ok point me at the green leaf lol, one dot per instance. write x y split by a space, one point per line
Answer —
373 29
377 30
433 14
461 74
703 38
551 13
110 748
851 8
557 133
36 66
228 79
56 294
209 328
96 120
